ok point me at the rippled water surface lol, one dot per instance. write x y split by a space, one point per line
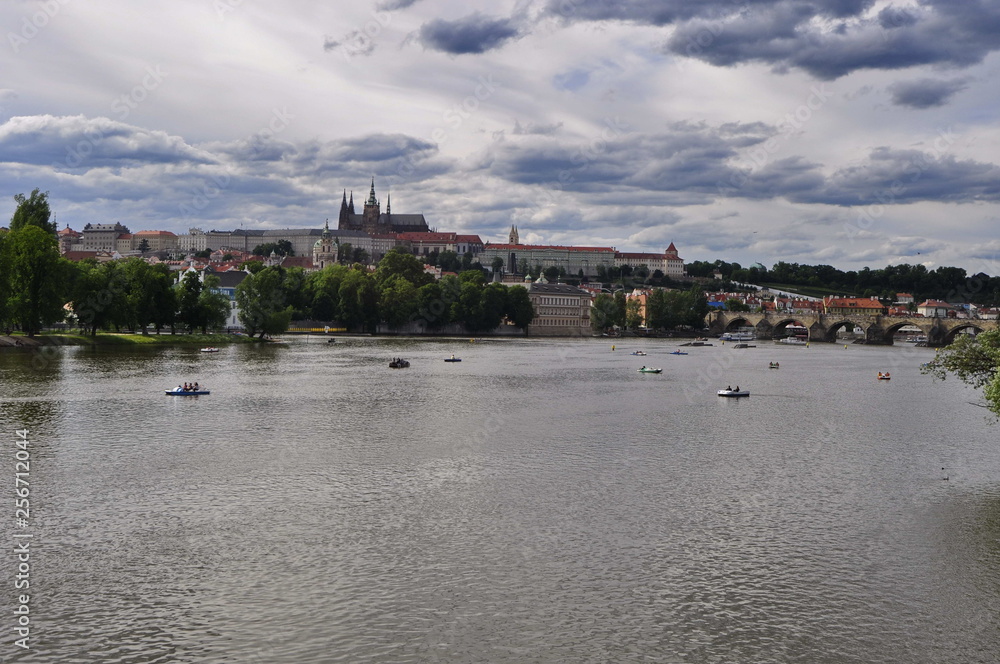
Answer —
541 501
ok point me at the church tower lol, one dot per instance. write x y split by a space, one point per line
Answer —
512 238
325 249
371 214
344 221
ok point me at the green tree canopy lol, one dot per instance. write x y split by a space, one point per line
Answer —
37 278
400 262
32 210
974 360
519 309
260 299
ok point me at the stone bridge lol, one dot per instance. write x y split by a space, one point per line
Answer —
824 327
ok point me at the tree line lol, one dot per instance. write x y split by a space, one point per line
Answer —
39 288
951 284
398 292
664 310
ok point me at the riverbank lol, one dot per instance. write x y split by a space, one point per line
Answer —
108 339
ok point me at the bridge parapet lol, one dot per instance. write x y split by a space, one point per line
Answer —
824 327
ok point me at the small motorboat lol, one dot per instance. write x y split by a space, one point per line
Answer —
678 352
733 393
773 365
399 363
210 349
639 353
331 341
650 370
452 359
181 392
884 375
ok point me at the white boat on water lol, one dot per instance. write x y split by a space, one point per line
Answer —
738 336
734 393
794 341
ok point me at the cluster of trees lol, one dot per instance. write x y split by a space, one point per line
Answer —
279 248
398 292
36 283
665 310
951 284
974 360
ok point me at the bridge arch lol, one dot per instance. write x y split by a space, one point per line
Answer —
780 327
833 328
889 332
736 323
950 336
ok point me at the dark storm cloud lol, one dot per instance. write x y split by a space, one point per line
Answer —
392 5
70 142
696 164
106 163
891 176
473 34
926 92
687 158
828 39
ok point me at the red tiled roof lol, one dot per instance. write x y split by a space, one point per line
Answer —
522 247
157 233
412 236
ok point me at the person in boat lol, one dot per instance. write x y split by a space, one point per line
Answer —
737 389
195 389
643 368
729 388
187 388
179 389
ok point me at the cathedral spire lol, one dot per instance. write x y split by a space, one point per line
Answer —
371 194
350 205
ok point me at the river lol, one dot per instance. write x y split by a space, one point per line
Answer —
540 501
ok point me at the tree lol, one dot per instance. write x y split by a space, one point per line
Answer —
253 267
279 248
36 278
974 360
519 309
399 262
732 304
432 306
32 210
449 261
633 313
497 264
143 246
551 273
322 289
492 306
603 313
260 299
214 306
359 300
189 313
398 301
98 295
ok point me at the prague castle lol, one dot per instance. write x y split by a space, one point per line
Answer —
373 222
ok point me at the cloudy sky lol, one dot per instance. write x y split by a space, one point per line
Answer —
844 132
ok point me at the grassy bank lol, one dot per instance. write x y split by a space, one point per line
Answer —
108 339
